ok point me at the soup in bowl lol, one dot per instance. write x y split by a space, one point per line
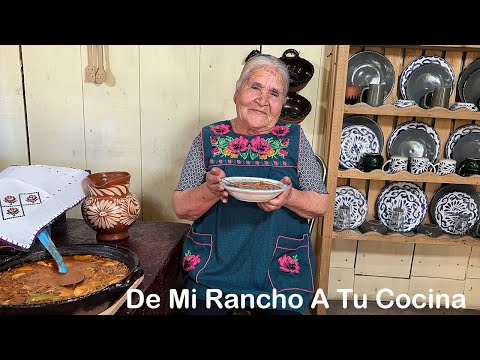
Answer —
253 189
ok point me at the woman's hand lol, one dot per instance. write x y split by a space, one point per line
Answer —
212 179
279 201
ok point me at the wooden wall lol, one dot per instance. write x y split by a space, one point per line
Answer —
144 124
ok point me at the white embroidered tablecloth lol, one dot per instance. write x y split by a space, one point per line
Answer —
32 196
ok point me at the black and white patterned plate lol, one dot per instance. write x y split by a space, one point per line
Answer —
404 195
414 139
355 142
451 201
423 74
456 137
356 201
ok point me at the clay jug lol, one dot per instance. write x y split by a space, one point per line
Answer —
110 209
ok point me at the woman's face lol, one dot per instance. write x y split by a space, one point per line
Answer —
259 100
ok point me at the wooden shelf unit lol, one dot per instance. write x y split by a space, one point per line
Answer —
388 117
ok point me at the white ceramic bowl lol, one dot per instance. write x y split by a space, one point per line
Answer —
252 195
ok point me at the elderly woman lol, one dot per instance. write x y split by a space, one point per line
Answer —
256 256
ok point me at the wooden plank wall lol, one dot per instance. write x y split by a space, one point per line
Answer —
13 135
144 124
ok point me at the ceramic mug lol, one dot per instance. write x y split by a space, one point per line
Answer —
397 163
375 94
371 161
420 165
343 217
397 220
469 166
440 96
445 166
352 94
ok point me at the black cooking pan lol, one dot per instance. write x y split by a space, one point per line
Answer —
91 304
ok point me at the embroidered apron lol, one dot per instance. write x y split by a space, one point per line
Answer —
237 247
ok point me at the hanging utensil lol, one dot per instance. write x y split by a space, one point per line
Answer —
68 277
110 79
90 68
101 74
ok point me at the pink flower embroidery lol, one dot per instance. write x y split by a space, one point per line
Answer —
215 151
280 130
283 152
260 145
285 142
221 129
213 140
10 199
12 211
238 145
190 261
32 198
289 264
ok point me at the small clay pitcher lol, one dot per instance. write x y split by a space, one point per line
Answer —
110 209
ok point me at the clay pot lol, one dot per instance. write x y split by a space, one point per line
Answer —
296 108
352 94
110 209
300 70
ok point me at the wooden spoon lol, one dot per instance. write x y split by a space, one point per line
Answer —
110 79
101 74
90 69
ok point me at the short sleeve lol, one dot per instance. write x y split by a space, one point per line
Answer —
309 174
193 171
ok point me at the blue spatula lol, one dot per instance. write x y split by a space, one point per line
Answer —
68 278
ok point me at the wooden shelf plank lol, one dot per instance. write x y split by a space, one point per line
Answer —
407 176
407 239
412 111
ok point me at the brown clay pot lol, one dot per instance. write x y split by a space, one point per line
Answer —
110 209
300 70
296 108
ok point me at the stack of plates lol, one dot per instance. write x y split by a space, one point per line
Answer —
468 88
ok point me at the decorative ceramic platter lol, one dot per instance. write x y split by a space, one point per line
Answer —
423 74
370 67
459 148
469 70
407 196
355 200
471 88
451 201
366 121
356 141
414 139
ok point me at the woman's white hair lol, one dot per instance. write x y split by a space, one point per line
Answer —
260 60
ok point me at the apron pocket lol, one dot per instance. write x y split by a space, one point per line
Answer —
197 250
291 265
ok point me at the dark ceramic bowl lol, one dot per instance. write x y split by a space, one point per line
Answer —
295 109
373 225
431 230
300 70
